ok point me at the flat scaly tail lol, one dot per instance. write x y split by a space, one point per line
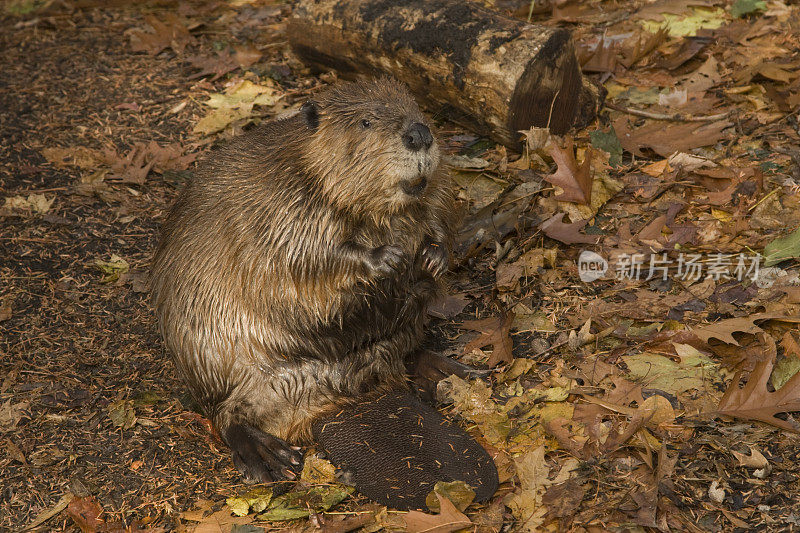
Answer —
395 448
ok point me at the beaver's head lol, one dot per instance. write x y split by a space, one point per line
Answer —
371 146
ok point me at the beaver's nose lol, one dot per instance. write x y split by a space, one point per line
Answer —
417 137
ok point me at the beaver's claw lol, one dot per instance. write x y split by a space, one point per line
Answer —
435 258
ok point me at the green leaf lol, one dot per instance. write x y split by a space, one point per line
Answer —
784 370
300 504
122 414
112 269
745 7
694 371
608 142
782 248
458 492
257 499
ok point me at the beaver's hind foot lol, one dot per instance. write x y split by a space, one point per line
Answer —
261 457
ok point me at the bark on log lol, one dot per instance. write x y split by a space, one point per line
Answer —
494 74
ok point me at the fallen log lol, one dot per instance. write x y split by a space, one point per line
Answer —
494 74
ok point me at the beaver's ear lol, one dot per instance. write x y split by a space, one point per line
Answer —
310 113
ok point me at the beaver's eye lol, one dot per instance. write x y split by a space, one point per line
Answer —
365 123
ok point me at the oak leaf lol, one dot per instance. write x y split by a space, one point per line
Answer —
574 179
171 32
495 332
555 228
448 520
755 402
724 329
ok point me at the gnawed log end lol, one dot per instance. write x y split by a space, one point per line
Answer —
494 74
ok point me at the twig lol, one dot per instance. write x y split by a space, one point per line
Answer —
676 117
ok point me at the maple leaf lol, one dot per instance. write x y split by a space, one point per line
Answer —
755 402
576 181
555 228
495 332
448 520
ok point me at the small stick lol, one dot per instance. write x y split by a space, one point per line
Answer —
677 117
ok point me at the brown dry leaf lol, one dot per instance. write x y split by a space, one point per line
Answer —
790 345
704 78
690 47
666 138
85 512
79 156
576 181
220 522
172 32
169 157
555 228
603 58
448 520
724 329
645 44
224 62
133 168
755 402
563 500
756 459
495 332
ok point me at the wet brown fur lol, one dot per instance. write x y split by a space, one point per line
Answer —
260 283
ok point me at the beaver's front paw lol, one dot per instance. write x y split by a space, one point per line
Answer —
435 258
386 260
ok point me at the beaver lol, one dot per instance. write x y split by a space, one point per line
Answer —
291 282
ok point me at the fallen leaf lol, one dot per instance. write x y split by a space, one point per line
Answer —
224 62
745 7
317 471
608 142
557 229
169 31
122 414
755 402
33 202
724 329
448 520
666 138
85 512
111 269
576 181
782 248
234 104
457 492
495 332
255 500
299 504
659 372
755 460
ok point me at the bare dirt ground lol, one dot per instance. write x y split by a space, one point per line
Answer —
591 423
